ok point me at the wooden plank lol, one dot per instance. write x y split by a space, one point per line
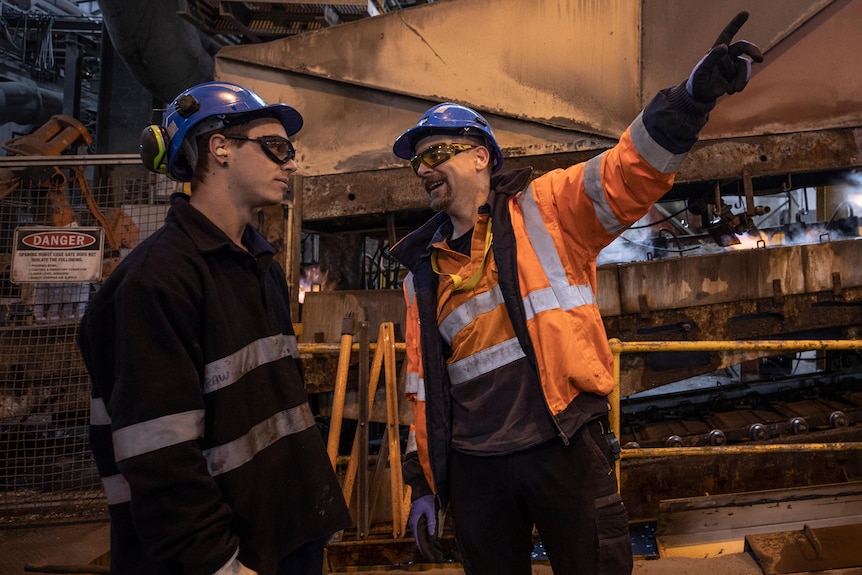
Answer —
710 526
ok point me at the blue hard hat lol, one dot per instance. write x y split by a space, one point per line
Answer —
449 118
211 106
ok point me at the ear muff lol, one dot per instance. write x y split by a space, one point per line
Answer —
154 149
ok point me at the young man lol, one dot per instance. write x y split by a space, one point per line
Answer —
515 357
200 426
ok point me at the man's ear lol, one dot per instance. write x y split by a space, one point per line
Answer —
483 157
217 142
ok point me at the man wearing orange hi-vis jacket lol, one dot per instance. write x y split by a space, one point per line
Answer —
505 342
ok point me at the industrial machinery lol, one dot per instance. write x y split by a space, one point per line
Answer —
54 138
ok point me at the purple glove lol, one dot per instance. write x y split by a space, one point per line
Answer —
726 68
423 524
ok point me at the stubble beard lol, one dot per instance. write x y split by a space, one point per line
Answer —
438 202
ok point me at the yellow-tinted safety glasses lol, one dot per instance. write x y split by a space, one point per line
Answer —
435 155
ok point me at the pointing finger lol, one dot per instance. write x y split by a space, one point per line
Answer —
731 29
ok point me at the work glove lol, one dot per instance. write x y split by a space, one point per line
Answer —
726 68
423 524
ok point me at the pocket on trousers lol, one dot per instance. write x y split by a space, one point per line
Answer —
614 553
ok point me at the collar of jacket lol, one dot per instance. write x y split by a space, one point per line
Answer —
510 182
416 246
207 236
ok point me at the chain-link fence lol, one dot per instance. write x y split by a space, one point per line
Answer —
46 468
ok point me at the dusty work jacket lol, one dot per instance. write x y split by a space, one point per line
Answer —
547 234
200 424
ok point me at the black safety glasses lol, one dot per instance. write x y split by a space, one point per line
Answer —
278 149
435 155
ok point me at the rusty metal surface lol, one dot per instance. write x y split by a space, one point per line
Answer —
567 75
746 294
720 523
807 549
373 78
804 159
734 276
65 544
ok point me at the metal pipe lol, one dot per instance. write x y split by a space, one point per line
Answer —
25 103
619 347
70 160
651 452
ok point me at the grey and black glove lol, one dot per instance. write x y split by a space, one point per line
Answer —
726 68
423 524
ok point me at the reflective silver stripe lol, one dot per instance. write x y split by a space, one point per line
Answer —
229 456
411 385
485 361
232 567
98 412
545 299
116 489
411 442
468 311
409 288
415 384
596 193
157 433
659 158
561 294
230 369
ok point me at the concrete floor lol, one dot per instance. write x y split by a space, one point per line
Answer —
82 543
736 564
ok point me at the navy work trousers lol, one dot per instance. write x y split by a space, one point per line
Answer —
569 492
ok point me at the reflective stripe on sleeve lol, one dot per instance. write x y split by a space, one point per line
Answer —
116 489
411 385
98 412
157 433
658 157
485 361
468 311
596 193
411 442
230 369
234 454
409 287
415 384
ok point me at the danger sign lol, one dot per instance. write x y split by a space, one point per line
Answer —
58 240
55 255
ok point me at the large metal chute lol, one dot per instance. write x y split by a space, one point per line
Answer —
557 79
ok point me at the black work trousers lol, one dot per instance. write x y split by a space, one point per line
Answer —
306 560
569 492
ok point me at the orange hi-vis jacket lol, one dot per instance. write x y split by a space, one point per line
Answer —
541 273
417 467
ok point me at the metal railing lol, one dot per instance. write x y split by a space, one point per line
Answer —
620 347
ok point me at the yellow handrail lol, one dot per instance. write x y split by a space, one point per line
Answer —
335 348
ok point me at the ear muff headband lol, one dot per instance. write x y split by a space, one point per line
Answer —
154 149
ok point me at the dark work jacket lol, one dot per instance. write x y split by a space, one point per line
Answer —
200 425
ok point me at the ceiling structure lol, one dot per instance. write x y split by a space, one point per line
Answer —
240 22
50 50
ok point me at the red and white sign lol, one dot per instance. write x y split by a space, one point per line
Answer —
52 255
58 240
